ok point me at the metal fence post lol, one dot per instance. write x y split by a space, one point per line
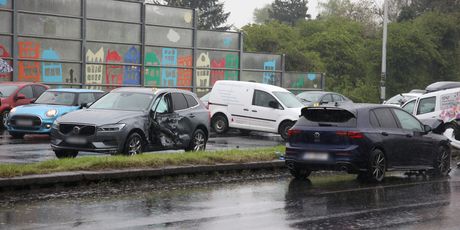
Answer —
194 49
83 45
283 68
143 12
240 58
15 50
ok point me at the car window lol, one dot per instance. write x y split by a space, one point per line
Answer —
162 104
178 101
288 99
426 105
56 98
262 98
373 120
337 98
409 107
86 98
327 98
407 121
385 118
124 101
38 90
190 100
27 91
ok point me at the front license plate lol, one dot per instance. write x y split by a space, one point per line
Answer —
76 140
316 156
24 123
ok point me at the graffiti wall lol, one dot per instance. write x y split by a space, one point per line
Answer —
111 50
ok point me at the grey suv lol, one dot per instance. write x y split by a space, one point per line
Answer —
133 120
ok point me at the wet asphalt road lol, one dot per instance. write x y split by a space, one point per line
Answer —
36 148
258 201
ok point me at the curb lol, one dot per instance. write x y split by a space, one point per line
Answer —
95 176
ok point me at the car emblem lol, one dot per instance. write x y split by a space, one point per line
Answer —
76 130
316 135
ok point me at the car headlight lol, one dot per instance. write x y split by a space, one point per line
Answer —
13 110
55 125
51 113
111 128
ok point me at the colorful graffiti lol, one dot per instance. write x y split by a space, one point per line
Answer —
217 74
94 72
3 2
202 75
132 74
169 75
29 70
228 41
269 77
231 62
113 73
51 71
184 77
152 74
4 54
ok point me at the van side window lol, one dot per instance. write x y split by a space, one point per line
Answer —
426 105
262 98
409 107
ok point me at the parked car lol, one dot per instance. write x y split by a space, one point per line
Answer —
317 98
252 106
132 120
400 99
38 117
364 139
14 94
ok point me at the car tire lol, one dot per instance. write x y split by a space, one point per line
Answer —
456 130
62 154
245 132
197 142
134 145
283 129
300 173
15 135
220 123
5 117
441 164
377 166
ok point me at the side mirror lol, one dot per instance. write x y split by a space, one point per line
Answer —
273 104
83 105
20 96
33 100
427 129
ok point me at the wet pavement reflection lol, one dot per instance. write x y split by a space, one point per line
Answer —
36 148
255 201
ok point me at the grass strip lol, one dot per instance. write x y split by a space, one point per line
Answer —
141 161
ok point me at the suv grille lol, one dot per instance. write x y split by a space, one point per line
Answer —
77 130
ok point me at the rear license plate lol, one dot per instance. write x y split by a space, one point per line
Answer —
24 123
76 140
316 156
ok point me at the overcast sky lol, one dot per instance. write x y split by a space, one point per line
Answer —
241 10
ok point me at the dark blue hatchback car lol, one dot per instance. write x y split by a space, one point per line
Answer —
364 139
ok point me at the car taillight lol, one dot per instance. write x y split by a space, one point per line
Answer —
292 132
350 134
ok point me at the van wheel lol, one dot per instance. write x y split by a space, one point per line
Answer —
65 153
284 127
220 124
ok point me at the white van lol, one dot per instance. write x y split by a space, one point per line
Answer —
252 106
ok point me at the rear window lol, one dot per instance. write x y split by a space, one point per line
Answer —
327 117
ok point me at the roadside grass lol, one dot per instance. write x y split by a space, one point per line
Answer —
159 160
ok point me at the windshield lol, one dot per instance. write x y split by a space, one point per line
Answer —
7 90
288 99
310 96
56 98
124 101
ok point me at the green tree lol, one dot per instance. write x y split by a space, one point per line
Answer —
417 7
261 15
211 13
289 11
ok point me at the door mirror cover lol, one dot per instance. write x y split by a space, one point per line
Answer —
20 96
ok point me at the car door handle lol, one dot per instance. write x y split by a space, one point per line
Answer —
255 111
191 115
384 133
246 109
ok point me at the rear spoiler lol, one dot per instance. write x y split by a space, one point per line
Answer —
304 112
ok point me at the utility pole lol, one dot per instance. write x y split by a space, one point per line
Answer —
383 75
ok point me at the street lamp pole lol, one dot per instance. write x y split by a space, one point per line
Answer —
383 75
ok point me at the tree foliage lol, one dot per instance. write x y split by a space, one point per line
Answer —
289 11
262 15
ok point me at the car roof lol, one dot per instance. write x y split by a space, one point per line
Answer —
315 91
355 108
152 91
72 90
262 86
442 85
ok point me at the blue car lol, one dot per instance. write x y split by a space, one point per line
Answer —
37 118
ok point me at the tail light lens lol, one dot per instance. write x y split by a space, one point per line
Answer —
350 134
292 132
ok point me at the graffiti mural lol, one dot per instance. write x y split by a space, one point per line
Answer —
269 77
184 77
152 74
3 2
169 75
4 54
28 70
217 74
113 73
231 62
228 41
132 74
202 75
94 71
51 71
